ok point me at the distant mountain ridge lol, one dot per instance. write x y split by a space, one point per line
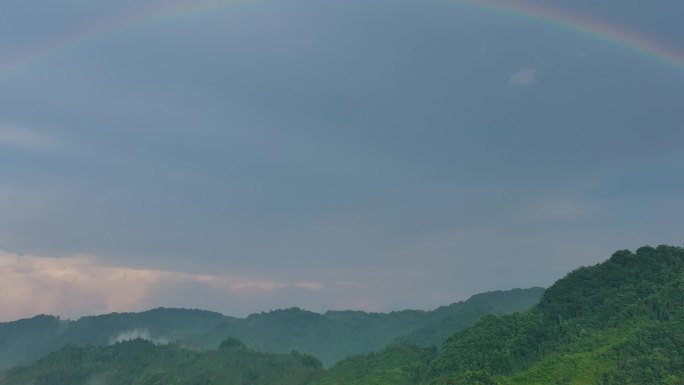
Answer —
25 340
620 322
330 337
335 335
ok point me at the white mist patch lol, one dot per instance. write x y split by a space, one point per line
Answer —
524 78
137 334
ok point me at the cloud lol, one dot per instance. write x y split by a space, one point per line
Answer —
308 285
81 285
20 137
244 286
85 285
524 77
350 284
137 334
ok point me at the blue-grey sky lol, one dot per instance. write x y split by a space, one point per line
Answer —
327 154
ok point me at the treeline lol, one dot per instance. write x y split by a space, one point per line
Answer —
140 362
616 323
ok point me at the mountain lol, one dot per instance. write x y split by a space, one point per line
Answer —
618 322
446 320
335 335
398 364
621 321
330 337
141 362
26 340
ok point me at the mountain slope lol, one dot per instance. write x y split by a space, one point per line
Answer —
331 336
621 321
141 362
338 334
446 320
618 322
26 340
399 364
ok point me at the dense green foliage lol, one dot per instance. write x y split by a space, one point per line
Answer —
399 364
446 320
330 336
619 322
140 362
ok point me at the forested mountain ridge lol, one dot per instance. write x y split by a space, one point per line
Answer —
446 320
335 335
620 322
26 340
330 336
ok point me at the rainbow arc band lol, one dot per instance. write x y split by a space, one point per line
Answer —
582 24
586 25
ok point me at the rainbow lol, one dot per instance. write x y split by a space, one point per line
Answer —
597 29
586 25
140 18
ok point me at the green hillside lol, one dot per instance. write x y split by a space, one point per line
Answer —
446 320
140 362
26 340
330 337
400 364
620 322
338 334
617 322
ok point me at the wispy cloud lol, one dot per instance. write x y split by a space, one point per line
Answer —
137 334
523 78
20 137
310 285
80 285
249 285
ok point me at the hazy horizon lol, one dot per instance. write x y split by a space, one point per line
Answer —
378 156
246 315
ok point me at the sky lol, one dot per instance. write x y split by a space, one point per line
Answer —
375 155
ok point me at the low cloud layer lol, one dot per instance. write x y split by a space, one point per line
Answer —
80 285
